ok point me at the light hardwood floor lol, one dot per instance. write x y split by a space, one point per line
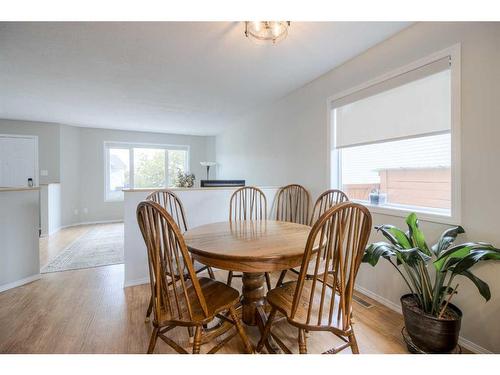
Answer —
89 311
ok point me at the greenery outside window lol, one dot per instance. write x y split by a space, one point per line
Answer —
141 166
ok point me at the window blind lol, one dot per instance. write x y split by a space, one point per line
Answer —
414 103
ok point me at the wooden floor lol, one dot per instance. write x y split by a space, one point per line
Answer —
89 311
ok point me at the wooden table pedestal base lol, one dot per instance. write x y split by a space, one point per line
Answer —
253 305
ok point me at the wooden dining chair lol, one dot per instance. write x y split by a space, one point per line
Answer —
173 205
325 201
247 203
182 301
324 303
293 204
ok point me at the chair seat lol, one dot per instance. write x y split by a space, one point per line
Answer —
218 296
282 299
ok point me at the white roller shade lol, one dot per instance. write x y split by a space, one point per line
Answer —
411 104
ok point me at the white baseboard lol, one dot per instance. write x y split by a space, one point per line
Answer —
384 301
467 344
17 283
44 235
144 280
54 231
473 347
91 223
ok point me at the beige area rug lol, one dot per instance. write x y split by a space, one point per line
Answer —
100 246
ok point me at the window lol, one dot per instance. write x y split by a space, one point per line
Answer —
149 168
142 166
406 173
118 172
176 161
393 142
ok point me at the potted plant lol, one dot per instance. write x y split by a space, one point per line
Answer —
185 180
432 322
376 197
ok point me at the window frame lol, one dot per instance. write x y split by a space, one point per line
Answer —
333 158
130 146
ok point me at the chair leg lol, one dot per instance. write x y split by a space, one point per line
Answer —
241 330
268 281
152 340
197 340
267 330
281 278
354 343
229 278
302 342
150 309
211 273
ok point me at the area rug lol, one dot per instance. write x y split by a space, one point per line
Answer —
100 246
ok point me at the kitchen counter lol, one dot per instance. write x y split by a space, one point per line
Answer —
19 188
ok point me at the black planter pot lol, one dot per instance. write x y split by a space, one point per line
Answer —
430 334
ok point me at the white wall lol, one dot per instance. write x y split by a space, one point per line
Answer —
48 144
70 174
92 165
75 157
287 142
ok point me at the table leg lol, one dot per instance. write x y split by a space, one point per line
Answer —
253 305
253 296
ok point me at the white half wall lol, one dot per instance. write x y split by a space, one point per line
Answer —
19 255
202 206
287 142
50 208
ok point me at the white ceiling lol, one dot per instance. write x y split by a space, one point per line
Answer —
177 77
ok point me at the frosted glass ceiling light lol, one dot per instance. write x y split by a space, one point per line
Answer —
267 31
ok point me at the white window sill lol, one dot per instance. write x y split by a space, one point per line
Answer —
422 213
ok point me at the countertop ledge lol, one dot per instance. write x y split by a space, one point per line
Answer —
19 188
198 188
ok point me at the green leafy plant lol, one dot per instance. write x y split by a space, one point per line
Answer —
409 253
184 179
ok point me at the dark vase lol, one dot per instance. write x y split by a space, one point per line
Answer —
428 333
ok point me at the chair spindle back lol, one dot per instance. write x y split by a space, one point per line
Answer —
169 264
340 235
172 204
293 204
325 201
248 203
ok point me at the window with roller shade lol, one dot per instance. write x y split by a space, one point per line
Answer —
392 141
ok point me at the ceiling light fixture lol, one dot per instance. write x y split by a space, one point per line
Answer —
267 31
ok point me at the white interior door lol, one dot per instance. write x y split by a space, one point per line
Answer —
18 160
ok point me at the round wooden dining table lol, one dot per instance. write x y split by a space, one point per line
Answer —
253 248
